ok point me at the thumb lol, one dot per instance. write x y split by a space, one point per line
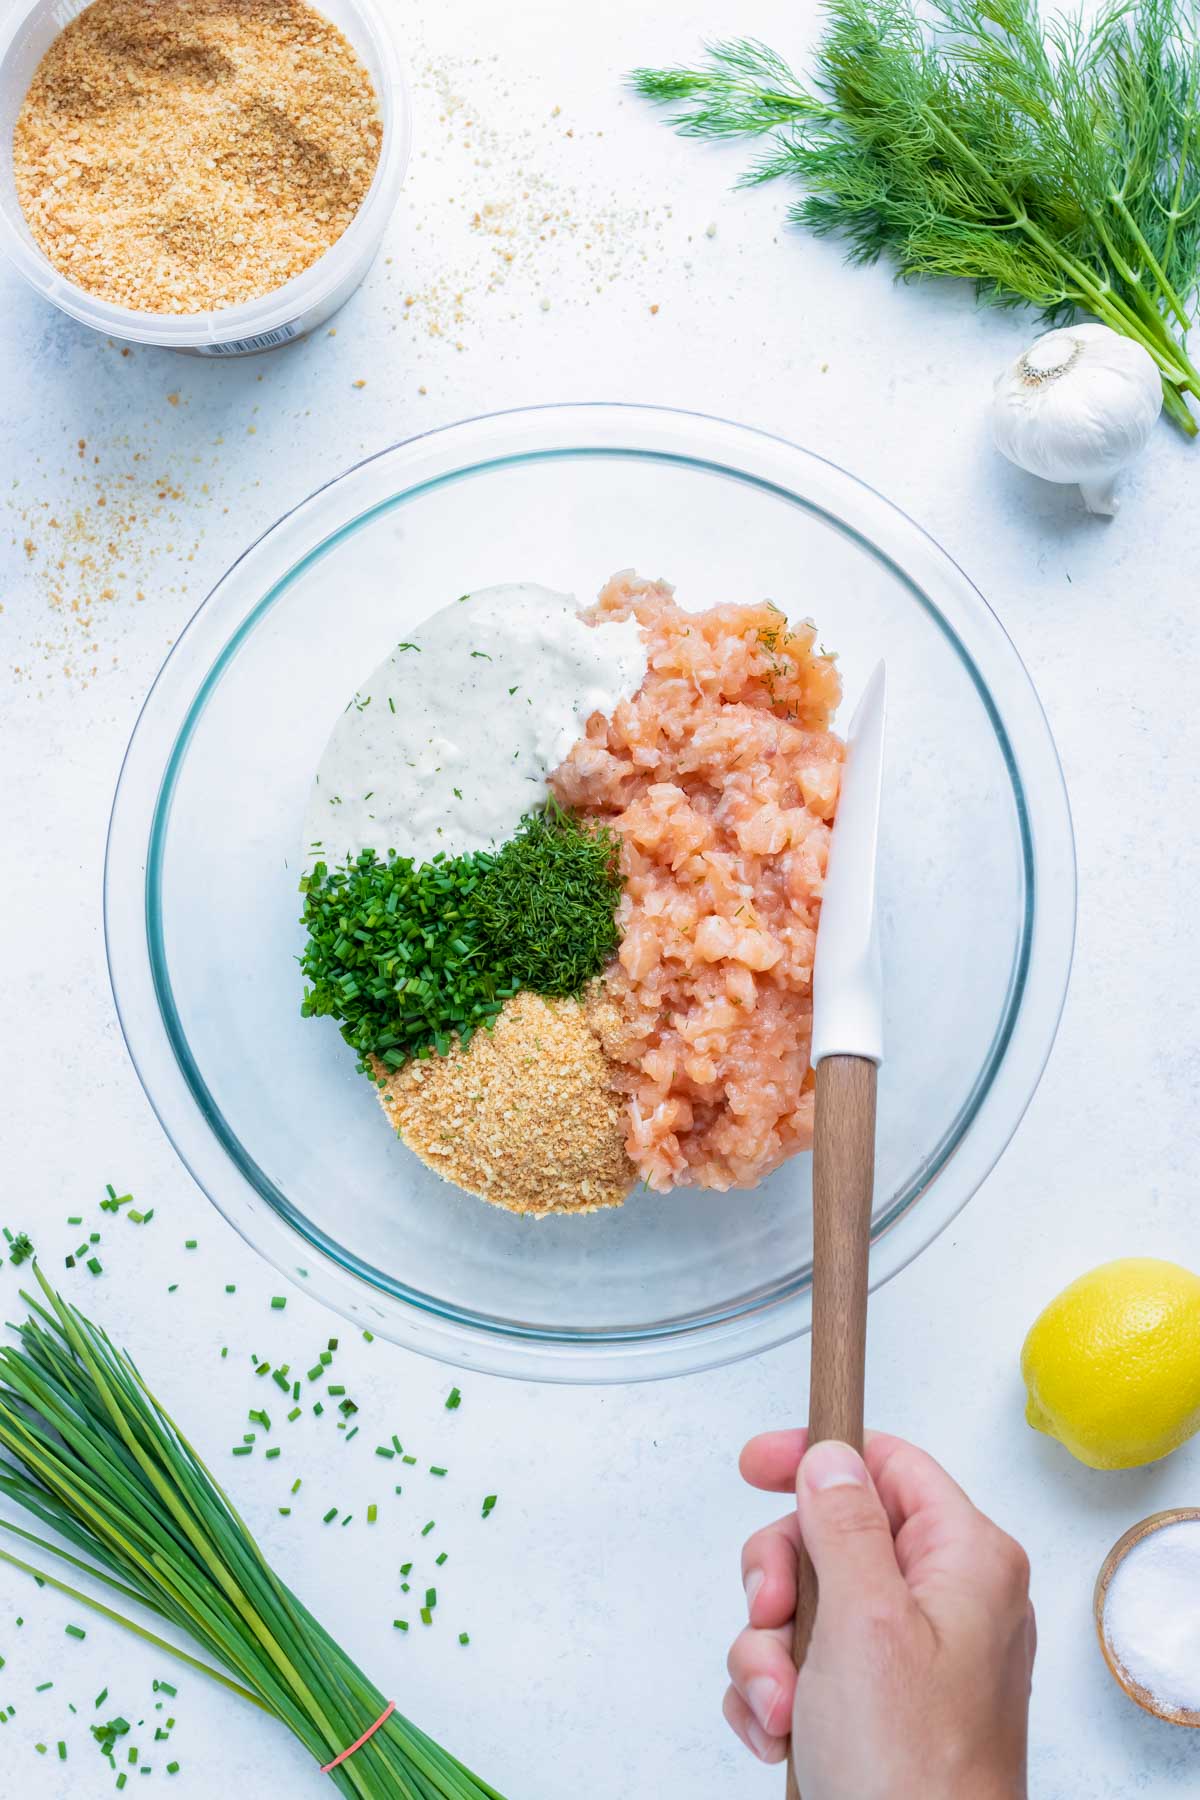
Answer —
846 1532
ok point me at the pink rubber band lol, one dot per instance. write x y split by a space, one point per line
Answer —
367 1735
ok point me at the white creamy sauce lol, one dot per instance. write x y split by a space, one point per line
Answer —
449 742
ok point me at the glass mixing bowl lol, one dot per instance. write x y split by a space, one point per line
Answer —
202 911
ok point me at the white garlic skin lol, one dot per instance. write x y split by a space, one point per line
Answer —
1078 405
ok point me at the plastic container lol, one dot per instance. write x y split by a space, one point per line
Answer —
276 318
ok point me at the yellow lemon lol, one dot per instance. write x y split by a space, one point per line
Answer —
1112 1367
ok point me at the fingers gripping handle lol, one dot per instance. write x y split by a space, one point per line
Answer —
843 1187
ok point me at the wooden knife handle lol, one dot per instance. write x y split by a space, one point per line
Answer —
843 1186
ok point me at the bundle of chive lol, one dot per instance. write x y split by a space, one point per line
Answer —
95 1458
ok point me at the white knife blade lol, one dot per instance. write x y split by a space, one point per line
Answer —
847 974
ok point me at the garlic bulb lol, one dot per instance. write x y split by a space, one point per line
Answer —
1077 406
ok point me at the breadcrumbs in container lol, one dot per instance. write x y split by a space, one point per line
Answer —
212 175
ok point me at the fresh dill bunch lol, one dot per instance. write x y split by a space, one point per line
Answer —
1054 164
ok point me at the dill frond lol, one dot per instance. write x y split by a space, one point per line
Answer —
1054 164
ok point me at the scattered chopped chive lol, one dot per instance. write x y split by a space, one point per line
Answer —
372 1513
326 1357
243 1450
275 1451
315 1373
281 1381
331 1514
231 1287
332 1344
43 1687
295 1413
347 1518
426 1616
101 1697
383 1450
318 1409
406 1568
259 1417
352 1434
464 1637
62 1751
426 1529
174 1288
76 1631
396 1441
262 1368
189 1243
400 1624
172 1768
77 1218
278 1302
453 1400
431 1597
434 1470
489 1505
411 1460
285 1512
442 1558
164 1687
368 1337
335 1390
93 1237
95 1265
297 1484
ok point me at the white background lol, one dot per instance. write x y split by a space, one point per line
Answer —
601 1594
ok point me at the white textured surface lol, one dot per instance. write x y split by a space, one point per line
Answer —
602 1592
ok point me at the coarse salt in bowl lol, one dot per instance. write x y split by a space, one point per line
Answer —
1148 1614
271 319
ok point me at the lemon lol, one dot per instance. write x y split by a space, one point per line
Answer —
1112 1367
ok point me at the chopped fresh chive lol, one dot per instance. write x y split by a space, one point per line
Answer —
189 1243
489 1505
463 1637
295 1413
76 1631
435 1470
453 1400
278 1302
331 1514
372 1513
426 1529
442 1558
384 1450
426 1616
243 1450
400 1624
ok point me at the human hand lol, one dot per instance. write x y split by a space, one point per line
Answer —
916 1683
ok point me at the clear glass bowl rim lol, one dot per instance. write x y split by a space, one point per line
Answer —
177 695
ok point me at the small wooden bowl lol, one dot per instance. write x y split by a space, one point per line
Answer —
1108 1569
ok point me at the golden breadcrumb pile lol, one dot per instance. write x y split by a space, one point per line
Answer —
179 156
524 1117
